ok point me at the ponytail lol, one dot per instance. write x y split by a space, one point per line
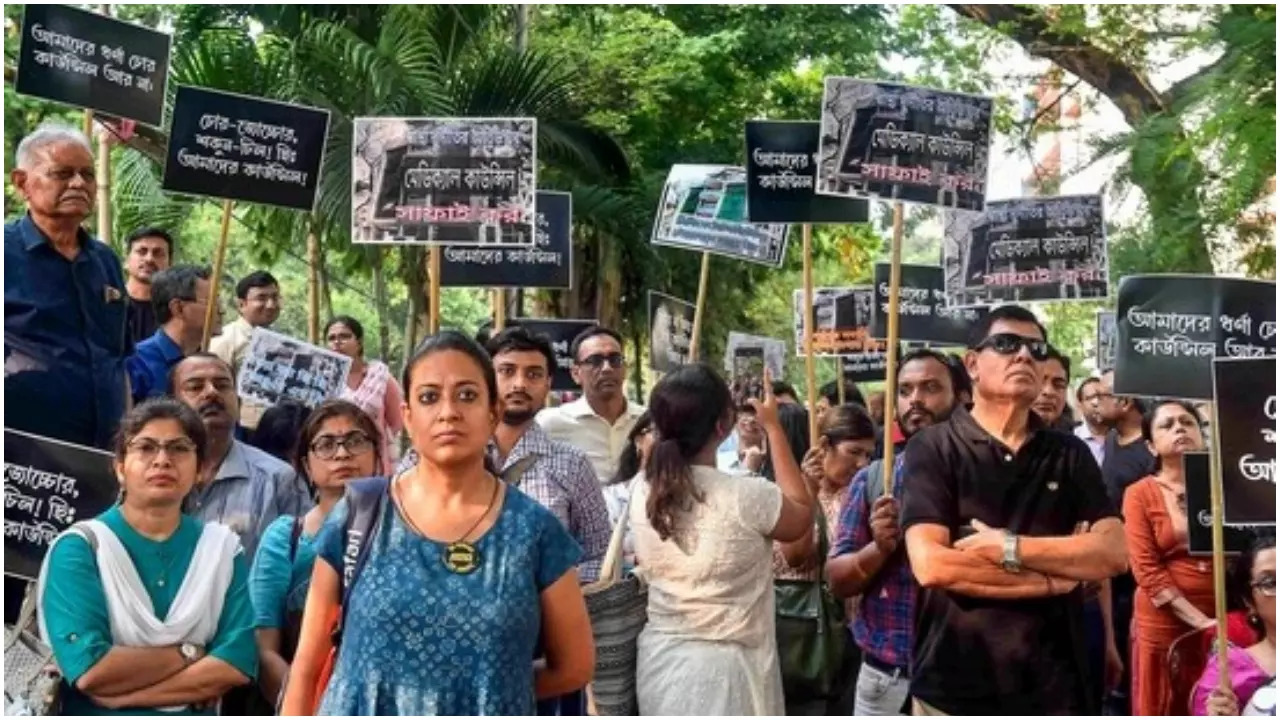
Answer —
671 488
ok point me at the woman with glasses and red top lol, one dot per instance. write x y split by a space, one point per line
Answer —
339 443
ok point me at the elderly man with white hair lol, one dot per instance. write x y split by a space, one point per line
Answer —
64 301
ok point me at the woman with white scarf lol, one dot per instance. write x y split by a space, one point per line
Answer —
146 609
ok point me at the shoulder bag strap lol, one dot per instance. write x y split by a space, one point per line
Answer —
294 534
365 500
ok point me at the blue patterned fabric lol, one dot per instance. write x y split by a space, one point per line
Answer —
421 640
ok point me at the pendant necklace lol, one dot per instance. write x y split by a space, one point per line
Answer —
461 557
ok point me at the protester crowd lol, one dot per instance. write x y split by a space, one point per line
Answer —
426 544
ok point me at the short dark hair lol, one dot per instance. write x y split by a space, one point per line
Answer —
924 354
781 387
847 422
589 333
1055 354
831 391
1149 417
1084 384
173 371
520 339
277 431
1240 573
174 283
352 324
255 279
146 232
1015 313
961 383
161 408
446 340
325 411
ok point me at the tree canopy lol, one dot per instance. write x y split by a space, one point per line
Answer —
622 92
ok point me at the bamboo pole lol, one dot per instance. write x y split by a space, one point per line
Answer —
219 255
700 307
313 284
433 291
810 362
103 171
891 351
840 381
498 299
1219 552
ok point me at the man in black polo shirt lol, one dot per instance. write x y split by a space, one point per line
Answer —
1003 520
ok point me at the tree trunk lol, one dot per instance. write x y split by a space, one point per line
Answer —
380 304
609 294
1171 181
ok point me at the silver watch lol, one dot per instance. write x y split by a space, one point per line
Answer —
1011 562
190 652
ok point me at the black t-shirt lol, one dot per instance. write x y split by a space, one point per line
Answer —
976 656
140 320
1124 465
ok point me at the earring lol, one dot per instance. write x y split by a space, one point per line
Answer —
1253 618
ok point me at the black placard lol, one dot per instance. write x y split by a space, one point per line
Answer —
48 486
1244 392
93 61
561 334
923 314
670 331
548 264
1200 513
872 366
1170 327
1027 250
277 367
841 324
781 175
446 181
237 147
899 142
1105 339
704 208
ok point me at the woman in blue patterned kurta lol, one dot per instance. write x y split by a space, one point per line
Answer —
426 636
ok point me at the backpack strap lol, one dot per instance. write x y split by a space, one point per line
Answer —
365 499
294 534
875 480
515 473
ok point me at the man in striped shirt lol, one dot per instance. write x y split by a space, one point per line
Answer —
868 558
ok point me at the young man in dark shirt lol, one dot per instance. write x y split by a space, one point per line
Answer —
150 250
1004 519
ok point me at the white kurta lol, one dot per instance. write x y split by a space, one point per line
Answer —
709 647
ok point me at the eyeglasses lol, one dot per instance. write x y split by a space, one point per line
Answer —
1265 585
597 361
326 446
147 448
1011 343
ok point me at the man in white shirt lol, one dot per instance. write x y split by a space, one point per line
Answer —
258 302
599 421
1093 429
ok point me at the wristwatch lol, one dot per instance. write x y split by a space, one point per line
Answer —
190 652
1011 562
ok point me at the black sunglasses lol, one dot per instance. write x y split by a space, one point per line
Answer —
597 361
1011 343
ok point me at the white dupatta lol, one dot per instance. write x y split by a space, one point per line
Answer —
194 614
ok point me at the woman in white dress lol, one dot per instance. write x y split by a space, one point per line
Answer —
704 545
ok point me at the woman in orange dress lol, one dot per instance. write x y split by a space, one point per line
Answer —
1175 590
